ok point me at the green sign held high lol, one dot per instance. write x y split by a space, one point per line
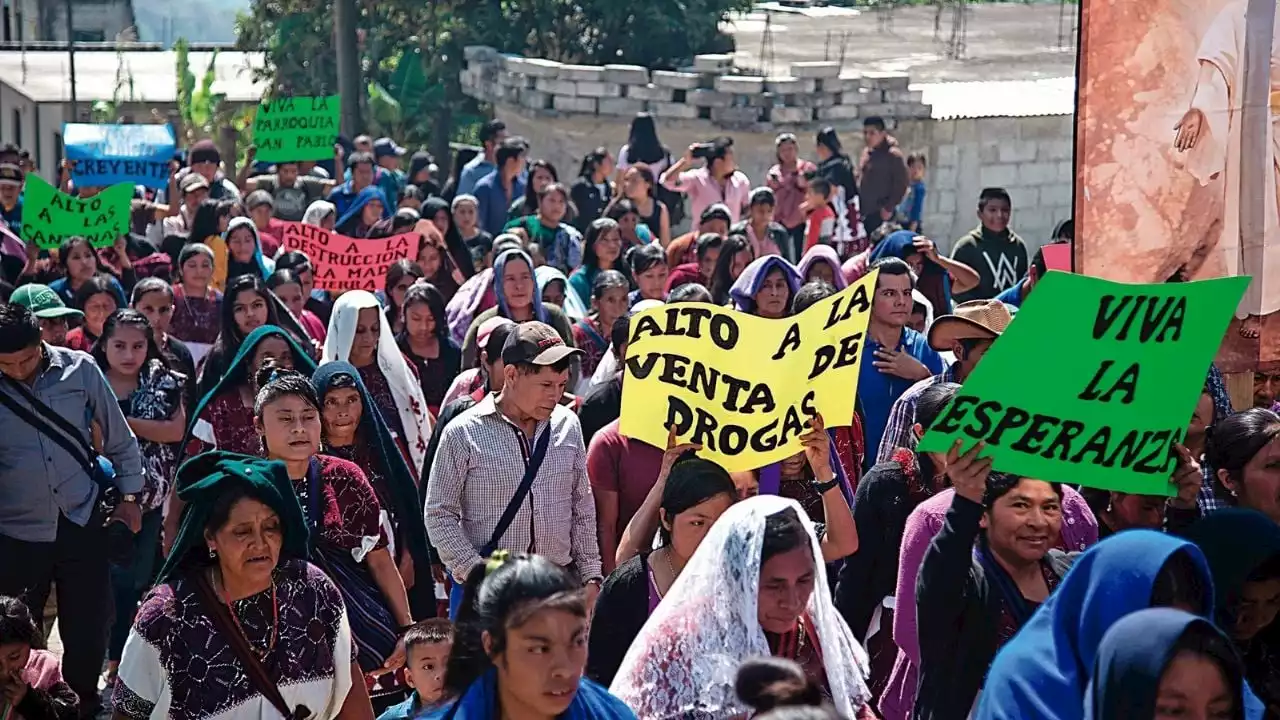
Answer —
50 216
296 129
1094 382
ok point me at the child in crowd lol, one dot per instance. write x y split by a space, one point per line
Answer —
820 223
911 208
427 645
31 684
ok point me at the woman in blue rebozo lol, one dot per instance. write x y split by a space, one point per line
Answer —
353 429
1162 652
511 604
519 300
356 222
1042 672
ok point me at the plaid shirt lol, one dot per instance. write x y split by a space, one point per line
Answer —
478 469
899 432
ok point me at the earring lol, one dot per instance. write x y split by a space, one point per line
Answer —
213 554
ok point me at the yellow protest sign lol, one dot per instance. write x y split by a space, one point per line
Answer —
743 386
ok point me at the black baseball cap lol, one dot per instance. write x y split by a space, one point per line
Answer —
535 343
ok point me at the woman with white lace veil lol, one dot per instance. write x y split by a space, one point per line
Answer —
358 334
753 588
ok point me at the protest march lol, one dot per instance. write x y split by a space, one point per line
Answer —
338 429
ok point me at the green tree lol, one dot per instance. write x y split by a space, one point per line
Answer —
411 50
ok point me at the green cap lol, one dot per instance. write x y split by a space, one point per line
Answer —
42 301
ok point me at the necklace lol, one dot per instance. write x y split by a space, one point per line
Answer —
275 619
666 556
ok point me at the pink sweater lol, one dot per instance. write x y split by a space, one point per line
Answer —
1079 531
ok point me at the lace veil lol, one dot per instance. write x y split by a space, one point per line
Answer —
686 658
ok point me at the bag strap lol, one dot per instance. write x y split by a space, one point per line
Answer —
531 467
60 432
222 620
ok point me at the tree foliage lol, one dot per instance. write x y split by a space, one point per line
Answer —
411 50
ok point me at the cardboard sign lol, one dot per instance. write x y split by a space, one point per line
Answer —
109 154
50 216
1094 381
296 129
742 386
344 263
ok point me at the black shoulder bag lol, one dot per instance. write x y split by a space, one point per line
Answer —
58 429
531 467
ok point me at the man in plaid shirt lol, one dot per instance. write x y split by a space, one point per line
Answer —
483 456
967 333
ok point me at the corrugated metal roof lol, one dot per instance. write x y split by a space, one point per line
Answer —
44 76
1002 98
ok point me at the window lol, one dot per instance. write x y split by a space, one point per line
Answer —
89 36
17 127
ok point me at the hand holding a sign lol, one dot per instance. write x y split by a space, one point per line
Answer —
900 364
1187 478
673 453
817 449
968 472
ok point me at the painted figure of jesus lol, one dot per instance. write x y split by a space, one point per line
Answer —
1212 135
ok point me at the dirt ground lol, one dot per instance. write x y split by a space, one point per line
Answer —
1004 41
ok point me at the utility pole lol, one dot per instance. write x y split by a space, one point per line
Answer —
71 55
344 28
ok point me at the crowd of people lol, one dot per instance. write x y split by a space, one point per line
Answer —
239 494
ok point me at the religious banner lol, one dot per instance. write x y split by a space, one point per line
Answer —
344 263
296 129
1134 364
50 216
109 154
742 386
1177 174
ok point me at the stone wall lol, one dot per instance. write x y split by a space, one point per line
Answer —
564 111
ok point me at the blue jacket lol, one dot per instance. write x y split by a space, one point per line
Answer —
494 203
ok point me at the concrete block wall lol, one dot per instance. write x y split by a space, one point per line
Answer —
811 94
544 102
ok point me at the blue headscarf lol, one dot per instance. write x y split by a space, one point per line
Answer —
374 434
1235 542
498 266
899 244
748 283
935 283
480 702
264 266
1133 656
352 215
1042 672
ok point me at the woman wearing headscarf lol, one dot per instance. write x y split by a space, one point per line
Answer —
755 586
358 334
368 207
322 214
238 577
223 418
554 289
439 212
518 299
766 287
437 261
1161 664
244 253
478 293
822 263
351 431
1243 551
343 515
1042 672
939 278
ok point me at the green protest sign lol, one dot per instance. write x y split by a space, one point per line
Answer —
50 216
296 129
1093 382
